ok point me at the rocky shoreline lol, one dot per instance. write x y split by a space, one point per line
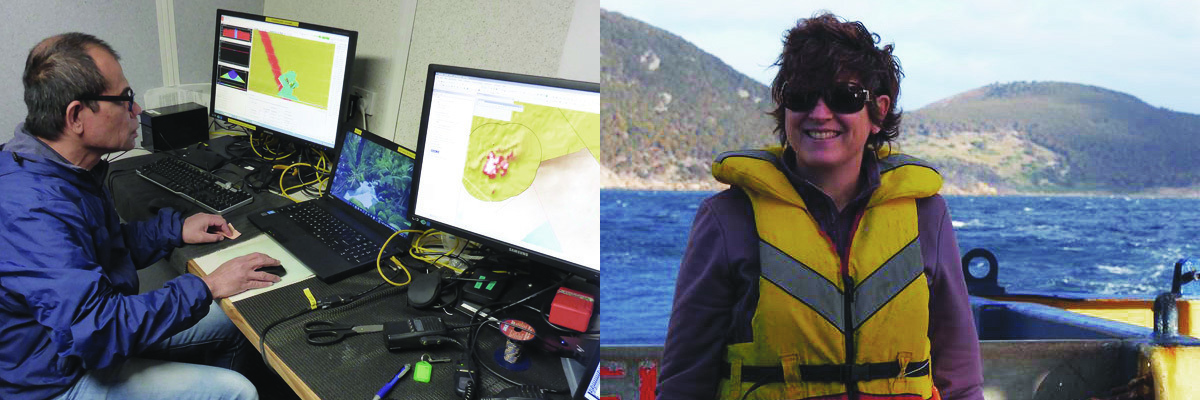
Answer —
613 181
610 180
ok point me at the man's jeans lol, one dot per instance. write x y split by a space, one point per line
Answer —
198 363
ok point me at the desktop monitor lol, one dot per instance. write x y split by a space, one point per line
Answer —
512 162
281 77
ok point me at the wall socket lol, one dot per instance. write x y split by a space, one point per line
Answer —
368 99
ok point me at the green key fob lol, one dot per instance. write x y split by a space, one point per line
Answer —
422 371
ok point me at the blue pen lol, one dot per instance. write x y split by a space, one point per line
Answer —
388 386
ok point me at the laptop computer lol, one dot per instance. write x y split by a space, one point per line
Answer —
340 233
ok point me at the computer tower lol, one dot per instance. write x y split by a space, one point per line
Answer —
173 127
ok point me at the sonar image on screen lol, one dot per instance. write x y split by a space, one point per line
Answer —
232 77
506 160
375 180
291 68
504 157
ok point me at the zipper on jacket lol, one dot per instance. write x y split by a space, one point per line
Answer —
851 387
848 282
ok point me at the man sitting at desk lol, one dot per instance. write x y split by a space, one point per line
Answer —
72 324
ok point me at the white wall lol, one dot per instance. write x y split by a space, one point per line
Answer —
195 32
129 26
398 39
383 35
581 51
526 37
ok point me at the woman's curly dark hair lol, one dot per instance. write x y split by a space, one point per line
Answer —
824 48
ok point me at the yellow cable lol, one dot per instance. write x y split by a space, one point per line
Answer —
317 181
322 168
323 164
379 259
281 189
284 173
276 141
416 246
255 149
434 260
265 157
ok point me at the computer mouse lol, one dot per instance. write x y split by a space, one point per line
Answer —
276 270
424 288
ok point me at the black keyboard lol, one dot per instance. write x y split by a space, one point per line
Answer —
343 239
209 191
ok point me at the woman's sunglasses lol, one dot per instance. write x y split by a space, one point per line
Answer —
841 98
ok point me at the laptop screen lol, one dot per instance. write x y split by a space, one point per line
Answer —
374 179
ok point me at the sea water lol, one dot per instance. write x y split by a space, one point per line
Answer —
1109 246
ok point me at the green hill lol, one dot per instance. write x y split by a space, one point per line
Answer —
1058 136
668 108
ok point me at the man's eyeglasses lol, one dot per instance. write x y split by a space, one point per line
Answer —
126 96
841 98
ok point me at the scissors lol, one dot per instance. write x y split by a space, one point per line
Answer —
325 332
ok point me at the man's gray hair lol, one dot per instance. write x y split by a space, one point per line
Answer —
58 71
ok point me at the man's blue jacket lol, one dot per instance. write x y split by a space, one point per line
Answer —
69 297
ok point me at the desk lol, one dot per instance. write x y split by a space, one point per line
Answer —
137 199
357 367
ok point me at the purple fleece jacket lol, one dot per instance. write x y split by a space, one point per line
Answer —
717 288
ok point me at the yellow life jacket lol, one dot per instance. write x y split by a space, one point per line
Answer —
823 326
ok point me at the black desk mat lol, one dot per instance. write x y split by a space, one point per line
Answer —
359 365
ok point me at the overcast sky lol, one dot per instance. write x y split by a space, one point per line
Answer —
1149 49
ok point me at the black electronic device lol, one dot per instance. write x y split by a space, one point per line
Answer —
211 192
488 287
277 76
174 127
512 162
466 379
424 289
276 270
522 392
415 333
204 158
562 346
340 233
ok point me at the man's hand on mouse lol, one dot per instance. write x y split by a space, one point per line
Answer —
205 228
239 275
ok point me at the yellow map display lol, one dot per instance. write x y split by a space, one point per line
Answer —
305 69
503 157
